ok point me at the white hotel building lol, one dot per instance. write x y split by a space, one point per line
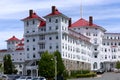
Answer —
82 44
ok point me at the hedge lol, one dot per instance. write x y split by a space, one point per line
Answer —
91 74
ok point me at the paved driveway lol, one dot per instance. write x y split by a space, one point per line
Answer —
105 76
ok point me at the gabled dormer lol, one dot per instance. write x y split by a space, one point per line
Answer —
11 43
32 22
56 20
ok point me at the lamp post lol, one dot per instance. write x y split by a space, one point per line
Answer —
55 67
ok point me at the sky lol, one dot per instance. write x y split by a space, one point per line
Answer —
106 13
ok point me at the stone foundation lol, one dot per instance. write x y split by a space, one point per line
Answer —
76 65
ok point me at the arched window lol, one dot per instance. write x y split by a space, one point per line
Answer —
95 65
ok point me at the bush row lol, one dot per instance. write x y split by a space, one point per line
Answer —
91 74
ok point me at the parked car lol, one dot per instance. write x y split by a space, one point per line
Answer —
4 77
100 71
39 78
13 77
25 78
116 70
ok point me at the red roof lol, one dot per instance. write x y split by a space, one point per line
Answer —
20 49
13 39
55 13
3 50
82 22
21 44
42 23
34 16
22 39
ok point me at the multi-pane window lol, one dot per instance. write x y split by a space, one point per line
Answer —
42 37
42 45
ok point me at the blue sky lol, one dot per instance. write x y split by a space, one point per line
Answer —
106 13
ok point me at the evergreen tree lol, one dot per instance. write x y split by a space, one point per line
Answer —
118 64
46 65
60 64
9 68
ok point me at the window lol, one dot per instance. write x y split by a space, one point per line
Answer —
56 37
56 21
27 23
27 49
27 40
42 45
95 55
33 31
20 53
56 46
33 48
50 47
95 65
27 32
33 40
50 38
56 27
50 28
33 55
42 37
49 19
33 22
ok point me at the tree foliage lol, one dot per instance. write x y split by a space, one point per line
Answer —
60 65
46 65
118 64
9 67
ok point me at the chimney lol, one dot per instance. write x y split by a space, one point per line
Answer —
90 20
30 13
70 21
53 9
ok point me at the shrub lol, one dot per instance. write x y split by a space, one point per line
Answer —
91 74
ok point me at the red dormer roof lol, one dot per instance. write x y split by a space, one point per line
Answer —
42 23
32 15
55 12
3 50
20 49
22 39
82 22
13 39
20 44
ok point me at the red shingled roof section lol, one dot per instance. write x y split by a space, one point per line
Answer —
13 39
21 44
81 23
20 49
4 50
34 16
55 13
42 23
22 39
